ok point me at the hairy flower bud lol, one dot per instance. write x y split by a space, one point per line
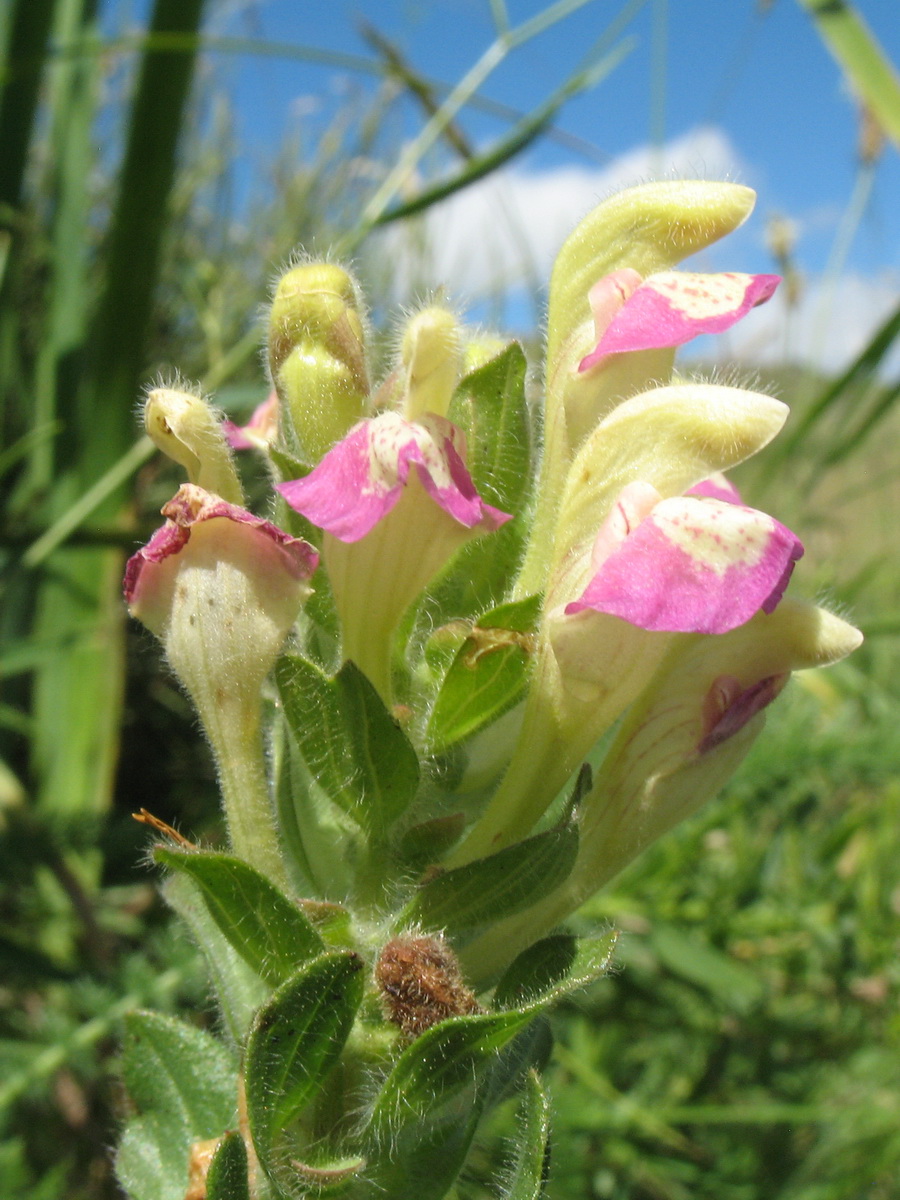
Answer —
432 357
317 357
190 432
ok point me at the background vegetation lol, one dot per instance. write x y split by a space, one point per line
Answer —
748 1047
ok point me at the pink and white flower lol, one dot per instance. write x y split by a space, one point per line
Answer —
687 564
260 431
221 588
396 502
202 528
361 479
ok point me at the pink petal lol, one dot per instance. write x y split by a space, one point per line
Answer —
694 565
717 487
673 307
260 430
191 505
360 479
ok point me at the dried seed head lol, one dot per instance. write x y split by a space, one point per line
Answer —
421 983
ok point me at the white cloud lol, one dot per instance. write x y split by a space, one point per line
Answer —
504 232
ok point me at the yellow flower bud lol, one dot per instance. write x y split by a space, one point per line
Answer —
317 357
432 356
189 431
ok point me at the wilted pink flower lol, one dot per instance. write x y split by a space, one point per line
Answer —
202 529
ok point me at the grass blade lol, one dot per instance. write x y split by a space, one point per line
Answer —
862 60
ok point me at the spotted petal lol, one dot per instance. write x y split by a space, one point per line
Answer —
360 479
694 565
672 307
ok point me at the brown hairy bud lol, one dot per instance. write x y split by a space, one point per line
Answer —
421 983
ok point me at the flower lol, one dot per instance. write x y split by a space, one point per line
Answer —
260 431
687 564
677 746
221 588
396 502
360 480
603 279
204 533
634 564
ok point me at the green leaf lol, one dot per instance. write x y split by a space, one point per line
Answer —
528 1176
227 1178
439 1063
426 1113
430 840
553 967
424 1158
531 1049
869 70
489 674
505 883
490 406
320 842
238 988
184 1084
268 930
353 747
295 1041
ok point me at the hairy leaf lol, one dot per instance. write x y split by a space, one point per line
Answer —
500 885
227 1177
353 747
295 1041
553 967
270 932
184 1084
529 1171
488 675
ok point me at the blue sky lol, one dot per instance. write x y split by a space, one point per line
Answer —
753 95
